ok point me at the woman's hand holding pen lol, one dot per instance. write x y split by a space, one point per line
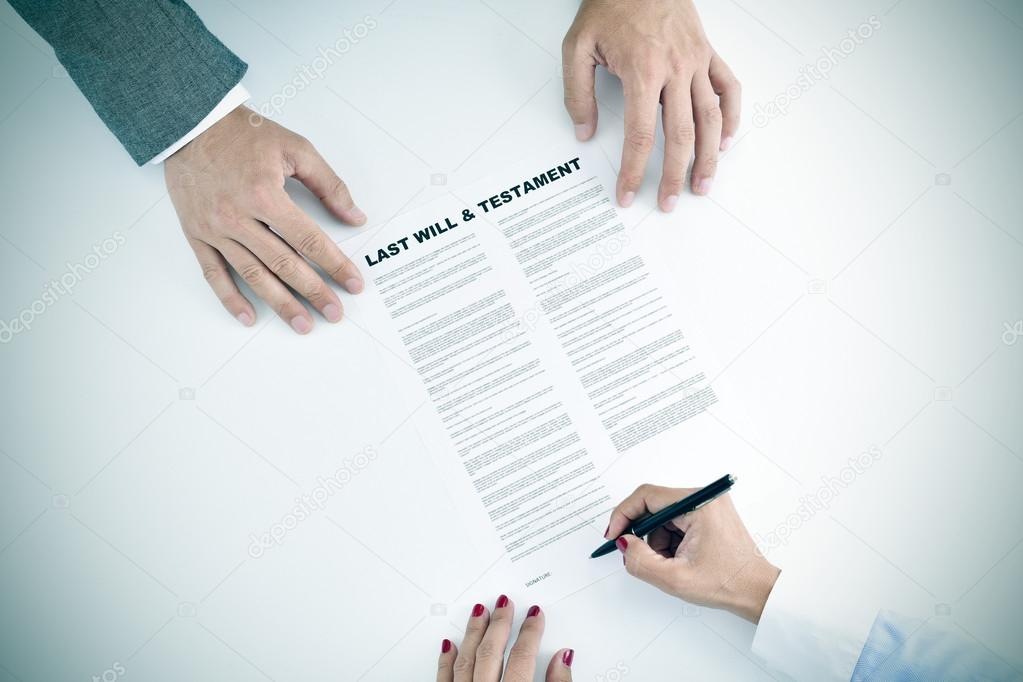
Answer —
706 557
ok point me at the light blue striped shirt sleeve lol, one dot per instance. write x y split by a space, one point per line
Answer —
903 649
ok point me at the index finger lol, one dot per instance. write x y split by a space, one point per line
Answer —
640 130
580 100
315 173
728 89
302 232
465 657
490 652
522 657
646 499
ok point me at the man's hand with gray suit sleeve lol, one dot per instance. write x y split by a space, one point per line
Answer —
227 186
154 73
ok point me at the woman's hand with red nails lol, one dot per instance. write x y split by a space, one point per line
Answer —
480 658
706 557
659 51
227 186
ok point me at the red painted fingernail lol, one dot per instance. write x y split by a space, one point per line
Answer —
533 610
567 657
477 610
622 543
445 646
502 601
607 530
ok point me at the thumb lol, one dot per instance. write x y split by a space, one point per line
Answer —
578 68
644 563
560 667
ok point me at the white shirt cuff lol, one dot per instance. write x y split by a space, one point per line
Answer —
813 626
234 98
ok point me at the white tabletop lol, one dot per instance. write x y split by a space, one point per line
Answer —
853 271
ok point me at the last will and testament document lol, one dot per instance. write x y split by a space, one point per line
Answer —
541 350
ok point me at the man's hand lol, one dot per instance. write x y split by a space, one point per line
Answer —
706 557
227 186
659 51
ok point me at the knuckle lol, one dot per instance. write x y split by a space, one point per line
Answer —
516 674
211 272
234 301
342 267
201 228
672 185
573 45
568 44
463 665
303 144
521 653
283 266
640 140
710 114
284 308
312 243
631 180
646 62
476 626
487 650
683 134
314 290
224 210
338 188
262 198
579 101
708 165
678 63
252 274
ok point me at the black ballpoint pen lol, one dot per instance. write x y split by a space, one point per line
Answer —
684 506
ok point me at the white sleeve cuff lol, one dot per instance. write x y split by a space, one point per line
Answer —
234 98
813 627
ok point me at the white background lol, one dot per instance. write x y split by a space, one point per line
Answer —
853 271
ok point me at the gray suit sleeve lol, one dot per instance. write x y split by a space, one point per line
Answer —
149 68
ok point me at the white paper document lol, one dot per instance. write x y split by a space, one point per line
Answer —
543 350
